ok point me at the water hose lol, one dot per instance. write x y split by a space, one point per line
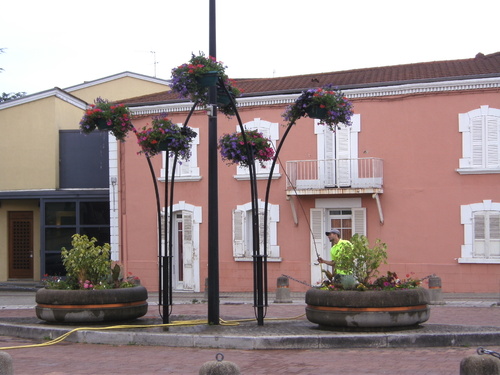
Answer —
173 324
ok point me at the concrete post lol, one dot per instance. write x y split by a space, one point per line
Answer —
6 367
435 295
283 291
219 367
480 365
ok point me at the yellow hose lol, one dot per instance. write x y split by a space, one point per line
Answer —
173 324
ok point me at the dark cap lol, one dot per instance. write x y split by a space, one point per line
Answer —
333 230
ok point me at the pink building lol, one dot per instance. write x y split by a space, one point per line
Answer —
419 169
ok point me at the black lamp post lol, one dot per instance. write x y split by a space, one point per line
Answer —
213 198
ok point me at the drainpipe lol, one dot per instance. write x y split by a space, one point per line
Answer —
294 210
379 207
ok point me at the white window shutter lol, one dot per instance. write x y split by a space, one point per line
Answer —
187 223
359 221
317 230
494 229
479 234
343 155
239 233
492 141
318 244
273 249
477 138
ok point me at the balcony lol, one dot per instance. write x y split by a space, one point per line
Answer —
335 176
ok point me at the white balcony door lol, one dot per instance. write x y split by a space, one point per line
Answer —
337 157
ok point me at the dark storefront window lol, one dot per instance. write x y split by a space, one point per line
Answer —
62 220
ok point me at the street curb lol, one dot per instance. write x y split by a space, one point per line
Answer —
260 338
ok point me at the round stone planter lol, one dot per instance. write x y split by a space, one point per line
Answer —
367 309
91 306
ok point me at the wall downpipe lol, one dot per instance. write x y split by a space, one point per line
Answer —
379 207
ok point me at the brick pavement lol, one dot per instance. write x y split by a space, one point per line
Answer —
73 358
87 359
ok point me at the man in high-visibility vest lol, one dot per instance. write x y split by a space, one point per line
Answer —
338 245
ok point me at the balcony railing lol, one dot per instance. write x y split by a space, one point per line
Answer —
335 173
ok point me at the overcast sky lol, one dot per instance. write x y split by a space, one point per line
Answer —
64 43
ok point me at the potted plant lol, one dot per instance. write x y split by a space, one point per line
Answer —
94 289
234 151
359 300
106 116
164 135
193 79
329 105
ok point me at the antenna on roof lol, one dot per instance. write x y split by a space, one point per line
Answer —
154 61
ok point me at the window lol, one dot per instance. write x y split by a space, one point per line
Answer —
83 160
242 232
481 232
269 130
480 130
184 170
62 219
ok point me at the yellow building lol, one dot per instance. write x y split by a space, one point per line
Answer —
54 181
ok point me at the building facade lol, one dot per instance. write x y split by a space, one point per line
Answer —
418 169
56 182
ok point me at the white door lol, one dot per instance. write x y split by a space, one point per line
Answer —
182 252
337 157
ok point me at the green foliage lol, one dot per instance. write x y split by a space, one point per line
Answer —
87 265
360 260
10 96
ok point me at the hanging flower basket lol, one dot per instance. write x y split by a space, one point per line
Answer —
317 112
163 135
328 105
192 80
101 124
234 151
102 115
208 79
165 144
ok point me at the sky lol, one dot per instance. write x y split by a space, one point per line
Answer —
62 43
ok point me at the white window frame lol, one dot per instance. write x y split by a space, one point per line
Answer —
480 130
184 170
242 231
272 130
467 213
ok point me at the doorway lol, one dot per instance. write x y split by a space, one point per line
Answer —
20 244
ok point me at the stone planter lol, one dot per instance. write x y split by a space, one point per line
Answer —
91 306
368 309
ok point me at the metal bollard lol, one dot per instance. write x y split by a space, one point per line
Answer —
283 291
6 367
435 295
219 367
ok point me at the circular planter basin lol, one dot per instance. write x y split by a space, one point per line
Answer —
91 306
368 309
